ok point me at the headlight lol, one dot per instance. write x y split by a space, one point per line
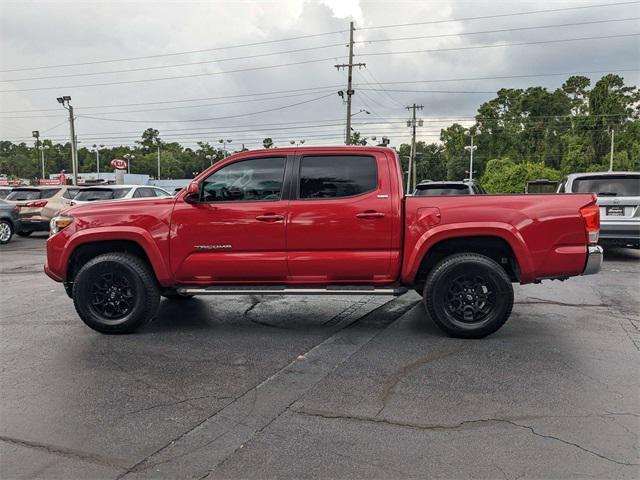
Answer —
58 223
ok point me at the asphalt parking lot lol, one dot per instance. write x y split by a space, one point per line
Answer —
321 387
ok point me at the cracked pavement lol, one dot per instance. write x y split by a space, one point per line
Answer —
321 387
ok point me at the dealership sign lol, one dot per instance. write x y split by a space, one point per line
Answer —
119 164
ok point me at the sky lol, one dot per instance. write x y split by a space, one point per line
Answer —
246 70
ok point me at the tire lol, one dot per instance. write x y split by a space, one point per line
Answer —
6 231
116 293
25 234
468 295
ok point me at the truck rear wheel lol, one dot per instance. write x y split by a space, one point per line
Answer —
468 295
116 293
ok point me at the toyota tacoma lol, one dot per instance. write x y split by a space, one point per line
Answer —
318 220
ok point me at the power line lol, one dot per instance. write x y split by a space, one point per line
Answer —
178 107
500 15
159 67
188 52
475 47
503 77
419 37
163 102
193 75
385 124
213 118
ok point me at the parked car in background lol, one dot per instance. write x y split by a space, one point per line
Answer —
619 201
118 192
430 188
541 186
4 191
9 221
38 205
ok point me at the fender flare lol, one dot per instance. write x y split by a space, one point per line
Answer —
136 235
435 235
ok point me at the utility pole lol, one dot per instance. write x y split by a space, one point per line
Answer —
413 123
349 66
613 134
65 102
36 134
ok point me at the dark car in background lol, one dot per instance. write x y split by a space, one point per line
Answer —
619 201
9 221
430 188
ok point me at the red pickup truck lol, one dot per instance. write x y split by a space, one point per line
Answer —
326 220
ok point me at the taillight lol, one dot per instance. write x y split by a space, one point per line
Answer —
36 204
591 216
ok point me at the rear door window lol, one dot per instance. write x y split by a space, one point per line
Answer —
24 194
608 185
337 176
144 192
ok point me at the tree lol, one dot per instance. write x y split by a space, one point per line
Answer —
504 176
455 156
267 142
357 139
150 138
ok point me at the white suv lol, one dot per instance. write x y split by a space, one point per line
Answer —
619 201
118 192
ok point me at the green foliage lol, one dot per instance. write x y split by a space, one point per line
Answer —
267 142
566 129
504 176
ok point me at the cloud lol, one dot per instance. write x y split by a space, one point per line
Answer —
57 33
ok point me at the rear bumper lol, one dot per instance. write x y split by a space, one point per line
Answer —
620 234
35 225
594 260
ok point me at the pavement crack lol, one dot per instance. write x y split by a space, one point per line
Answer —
395 378
456 426
178 402
536 301
566 442
255 301
66 452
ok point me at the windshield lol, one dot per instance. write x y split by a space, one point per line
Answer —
19 195
91 195
435 190
608 185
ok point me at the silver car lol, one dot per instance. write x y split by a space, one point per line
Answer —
619 201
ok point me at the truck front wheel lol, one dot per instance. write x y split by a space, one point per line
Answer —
116 293
468 295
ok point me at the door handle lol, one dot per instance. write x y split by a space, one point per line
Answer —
270 217
370 215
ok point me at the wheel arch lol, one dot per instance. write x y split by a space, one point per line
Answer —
500 243
81 248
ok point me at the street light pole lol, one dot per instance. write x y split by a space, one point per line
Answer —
613 134
471 148
97 150
42 149
158 144
224 146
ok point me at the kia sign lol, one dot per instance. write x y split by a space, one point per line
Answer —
119 164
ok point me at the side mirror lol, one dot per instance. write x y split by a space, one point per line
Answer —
193 193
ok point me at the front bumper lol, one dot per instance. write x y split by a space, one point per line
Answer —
594 260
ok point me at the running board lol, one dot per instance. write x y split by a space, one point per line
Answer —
291 290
